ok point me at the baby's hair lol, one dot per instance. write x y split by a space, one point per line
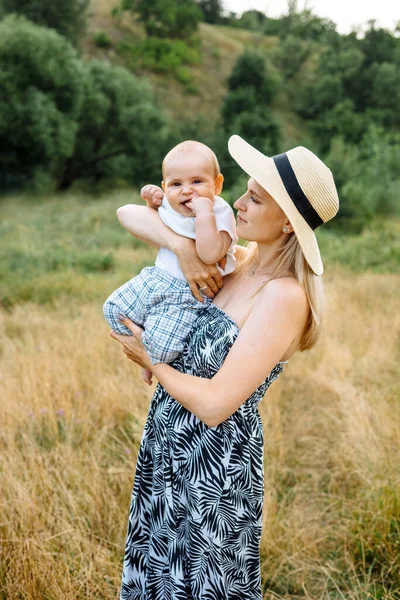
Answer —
184 148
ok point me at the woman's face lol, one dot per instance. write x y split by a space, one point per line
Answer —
259 217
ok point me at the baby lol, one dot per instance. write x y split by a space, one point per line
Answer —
159 299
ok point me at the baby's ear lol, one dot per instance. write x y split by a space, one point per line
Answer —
218 184
163 185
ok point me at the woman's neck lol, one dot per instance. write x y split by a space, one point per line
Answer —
264 255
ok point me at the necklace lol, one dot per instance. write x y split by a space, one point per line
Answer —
255 268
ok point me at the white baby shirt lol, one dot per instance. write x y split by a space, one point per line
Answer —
225 219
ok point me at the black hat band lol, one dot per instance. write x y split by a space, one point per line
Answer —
294 190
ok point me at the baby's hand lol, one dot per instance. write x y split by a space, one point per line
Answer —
200 204
153 195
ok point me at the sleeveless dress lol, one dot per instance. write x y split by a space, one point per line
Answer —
196 512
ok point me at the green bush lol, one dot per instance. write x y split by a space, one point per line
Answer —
68 18
291 54
42 82
212 10
251 70
367 178
121 132
102 40
160 55
166 18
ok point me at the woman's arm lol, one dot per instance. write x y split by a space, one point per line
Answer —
275 323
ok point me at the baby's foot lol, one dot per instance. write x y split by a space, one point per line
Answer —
147 376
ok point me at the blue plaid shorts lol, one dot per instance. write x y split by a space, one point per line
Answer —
160 303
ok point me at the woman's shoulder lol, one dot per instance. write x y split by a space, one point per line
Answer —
288 291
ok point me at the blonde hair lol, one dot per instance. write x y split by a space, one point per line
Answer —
188 146
290 259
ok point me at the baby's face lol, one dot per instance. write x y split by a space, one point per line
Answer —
186 177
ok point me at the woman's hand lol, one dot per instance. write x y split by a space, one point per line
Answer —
197 273
133 347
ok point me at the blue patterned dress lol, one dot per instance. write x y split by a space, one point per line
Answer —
196 512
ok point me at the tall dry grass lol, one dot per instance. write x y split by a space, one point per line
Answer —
73 409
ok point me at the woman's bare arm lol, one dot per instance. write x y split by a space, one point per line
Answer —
275 323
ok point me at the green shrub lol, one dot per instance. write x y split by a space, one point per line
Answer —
376 249
102 40
121 132
251 70
367 178
166 18
160 55
68 18
42 82
183 75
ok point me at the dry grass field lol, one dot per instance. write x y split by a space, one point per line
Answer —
73 410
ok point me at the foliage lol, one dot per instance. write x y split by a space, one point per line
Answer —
102 40
68 119
291 54
120 130
167 18
304 24
367 178
252 85
68 18
212 10
255 20
42 80
251 70
160 55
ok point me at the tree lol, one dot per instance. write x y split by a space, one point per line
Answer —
62 119
252 85
41 82
259 128
291 54
255 20
121 133
236 102
252 71
385 92
166 18
68 18
212 10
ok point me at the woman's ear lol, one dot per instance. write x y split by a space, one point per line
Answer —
287 227
218 184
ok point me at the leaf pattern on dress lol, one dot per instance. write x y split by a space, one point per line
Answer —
195 516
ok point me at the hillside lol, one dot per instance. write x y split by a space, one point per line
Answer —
202 95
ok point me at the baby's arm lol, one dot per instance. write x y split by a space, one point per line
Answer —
211 244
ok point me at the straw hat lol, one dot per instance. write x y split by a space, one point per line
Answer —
300 183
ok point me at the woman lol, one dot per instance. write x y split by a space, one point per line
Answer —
196 513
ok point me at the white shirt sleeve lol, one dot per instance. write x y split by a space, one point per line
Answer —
225 219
